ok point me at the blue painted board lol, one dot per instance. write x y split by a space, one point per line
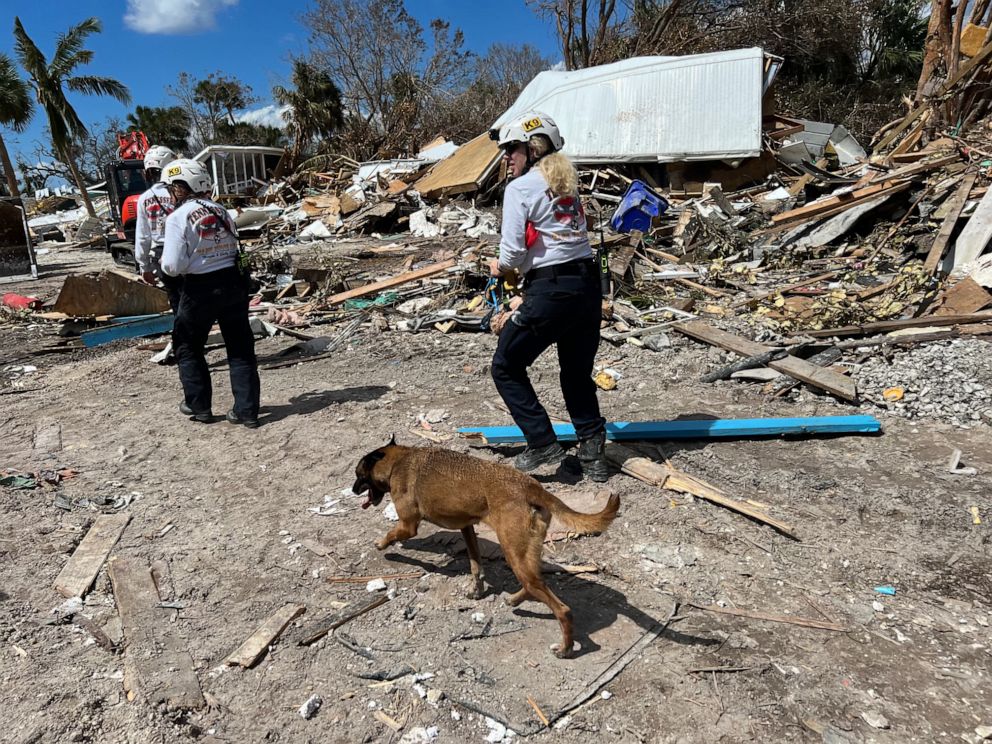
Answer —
153 325
622 431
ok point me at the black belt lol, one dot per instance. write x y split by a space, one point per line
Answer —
579 267
211 277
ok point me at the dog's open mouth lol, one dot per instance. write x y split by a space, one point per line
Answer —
372 497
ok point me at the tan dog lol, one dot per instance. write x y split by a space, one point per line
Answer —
458 491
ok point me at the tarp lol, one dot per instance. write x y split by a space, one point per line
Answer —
656 109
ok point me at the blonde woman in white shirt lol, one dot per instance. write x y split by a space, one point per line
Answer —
544 238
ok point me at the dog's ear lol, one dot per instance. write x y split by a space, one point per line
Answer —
373 457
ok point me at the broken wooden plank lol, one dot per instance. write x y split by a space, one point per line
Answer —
975 236
409 276
160 668
755 615
821 206
326 624
249 652
78 575
915 169
886 326
964 298
954 207
665 476
800 369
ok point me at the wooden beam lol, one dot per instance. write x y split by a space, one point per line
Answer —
665 476
255 646
78 575
157 666
800 369
886 326
325 625
834 210
815 209
954 208
409 276
916 169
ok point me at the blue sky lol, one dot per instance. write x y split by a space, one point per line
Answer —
250 39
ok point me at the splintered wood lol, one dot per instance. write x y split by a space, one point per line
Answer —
78 575
248 654
665 476
157 665
800 369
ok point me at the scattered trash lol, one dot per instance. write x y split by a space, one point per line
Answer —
976 517
875 719
329 507
420 735
309 709
954 465
389 512
886 589
376 585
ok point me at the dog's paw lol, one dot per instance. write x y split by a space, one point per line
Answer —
565 653
476 590
382 544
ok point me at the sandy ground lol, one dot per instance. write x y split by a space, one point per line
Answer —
228 509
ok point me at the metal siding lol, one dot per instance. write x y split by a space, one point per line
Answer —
658 109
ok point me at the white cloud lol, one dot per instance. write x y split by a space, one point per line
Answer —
269 116
174 16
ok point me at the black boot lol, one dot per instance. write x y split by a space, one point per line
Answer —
592 457
534 457
204 417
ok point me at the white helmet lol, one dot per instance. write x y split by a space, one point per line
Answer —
521 128
191 172
158 157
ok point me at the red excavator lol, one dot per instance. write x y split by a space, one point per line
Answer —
125 183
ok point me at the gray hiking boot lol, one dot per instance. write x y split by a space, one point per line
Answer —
592 458
534 457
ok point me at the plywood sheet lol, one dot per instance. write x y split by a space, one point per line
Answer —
464 171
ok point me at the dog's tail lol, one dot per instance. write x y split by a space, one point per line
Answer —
586 524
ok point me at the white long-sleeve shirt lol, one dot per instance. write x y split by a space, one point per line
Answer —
149 236
200 237
559 225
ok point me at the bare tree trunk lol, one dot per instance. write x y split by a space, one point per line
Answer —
78 178
935 49
8 170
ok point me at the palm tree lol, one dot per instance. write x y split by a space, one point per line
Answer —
52 78
16 109
314 106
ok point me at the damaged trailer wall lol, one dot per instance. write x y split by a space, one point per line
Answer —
656 109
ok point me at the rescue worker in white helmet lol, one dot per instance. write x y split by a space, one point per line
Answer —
544 238
201 246
154 205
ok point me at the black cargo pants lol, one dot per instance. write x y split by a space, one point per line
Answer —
562 307
221 297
